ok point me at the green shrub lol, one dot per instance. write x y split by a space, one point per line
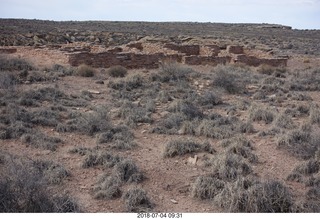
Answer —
117 71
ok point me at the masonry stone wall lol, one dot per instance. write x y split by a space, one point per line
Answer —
125 59
254 61
206 60
235 49
186 49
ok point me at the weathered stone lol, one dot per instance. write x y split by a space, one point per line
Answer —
254 61
206 60
186 49
235 49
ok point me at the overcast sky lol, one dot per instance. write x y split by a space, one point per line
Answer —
300 14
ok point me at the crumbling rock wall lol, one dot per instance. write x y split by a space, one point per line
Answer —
254 61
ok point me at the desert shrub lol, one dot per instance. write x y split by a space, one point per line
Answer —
130 83
170 124
38 76
260 114
245 127
24 189
45 117
171 72
8 80
229 165
85 71
80 150
52 172
117 71
209 99
284 121
207 187
109 188
299 143
164 96
134 114
218 127
88 123
189 127
308 167
228 78
297 110
14 64
127 171
120 133
186 108
178 147
93 158
314 115
311 204
256 197
269 70
38 139
136 200
43 94
240 146
305 80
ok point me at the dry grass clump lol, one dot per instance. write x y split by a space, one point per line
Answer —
180 147
93 158
229 78
117 71
306 80
136 200
88 123
109 185
284 121
14 64
85 71
300 143
314 114
207 187
186 108
24 188
134 114
261 114
38 139
8 80
172 72
209 99
255 197
170 124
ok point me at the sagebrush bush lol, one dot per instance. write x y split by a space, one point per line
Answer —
14 64
299 143
136 200
228 78
85 71
256 197
180 147
261 114
207 187
24 188
117 71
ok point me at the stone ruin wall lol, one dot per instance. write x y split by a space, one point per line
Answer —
186 54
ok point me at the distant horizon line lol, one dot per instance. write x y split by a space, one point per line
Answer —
148 21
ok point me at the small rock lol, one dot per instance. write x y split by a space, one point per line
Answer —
193 160
173 201
143 131
94 92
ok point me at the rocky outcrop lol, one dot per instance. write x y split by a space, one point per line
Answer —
235 49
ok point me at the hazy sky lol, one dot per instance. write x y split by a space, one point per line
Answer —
301 14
